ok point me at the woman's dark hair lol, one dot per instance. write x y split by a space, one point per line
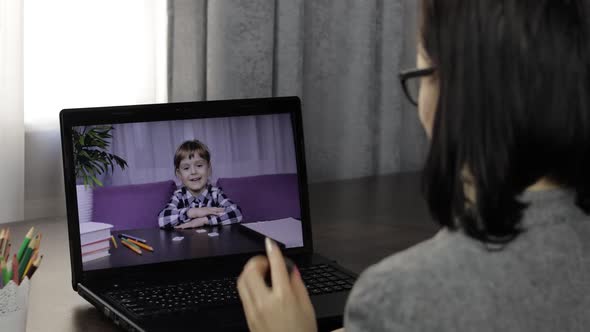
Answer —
514 107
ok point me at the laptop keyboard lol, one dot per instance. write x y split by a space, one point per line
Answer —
197 294
324 279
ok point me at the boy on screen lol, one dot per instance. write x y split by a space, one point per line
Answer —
196 203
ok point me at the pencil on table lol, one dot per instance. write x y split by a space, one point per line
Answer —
131 246
114 242
141 245
127 237
131 243
34 267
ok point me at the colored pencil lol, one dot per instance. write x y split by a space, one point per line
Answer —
38 243
114 242
7 252
132 237
4 271
6 242
33 259
8 272
25 244
34 267
131 243
15 273
24 261
141 245
131 246
2 234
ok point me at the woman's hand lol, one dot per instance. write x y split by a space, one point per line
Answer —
194 223
284 307
204 212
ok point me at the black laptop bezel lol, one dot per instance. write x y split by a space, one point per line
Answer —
70 118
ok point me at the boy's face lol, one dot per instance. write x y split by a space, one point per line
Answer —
194 173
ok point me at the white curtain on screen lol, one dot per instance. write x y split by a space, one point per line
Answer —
242 146
83 54
11 111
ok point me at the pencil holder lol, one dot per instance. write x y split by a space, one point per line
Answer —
14 302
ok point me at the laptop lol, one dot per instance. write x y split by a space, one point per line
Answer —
129 201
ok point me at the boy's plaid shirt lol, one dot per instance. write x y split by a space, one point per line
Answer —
182 200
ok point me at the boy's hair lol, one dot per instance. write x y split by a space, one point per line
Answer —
188 149
514 106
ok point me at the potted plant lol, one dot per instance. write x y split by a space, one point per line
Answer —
91 159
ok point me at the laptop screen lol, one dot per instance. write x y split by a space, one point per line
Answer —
158 191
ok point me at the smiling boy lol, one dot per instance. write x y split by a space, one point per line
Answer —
196 203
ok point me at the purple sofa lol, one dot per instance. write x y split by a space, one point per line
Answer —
132 206
264 197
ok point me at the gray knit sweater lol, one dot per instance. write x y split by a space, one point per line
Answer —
539 282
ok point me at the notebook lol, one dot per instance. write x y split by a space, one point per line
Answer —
188 192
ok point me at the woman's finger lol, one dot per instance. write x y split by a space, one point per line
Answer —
278 270
299 287
247 303
253 276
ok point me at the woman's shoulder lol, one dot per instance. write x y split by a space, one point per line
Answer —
424 256
434 254
409 282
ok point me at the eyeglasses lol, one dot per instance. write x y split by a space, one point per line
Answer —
410 80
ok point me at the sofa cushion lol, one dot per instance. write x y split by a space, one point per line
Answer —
264 197
131 206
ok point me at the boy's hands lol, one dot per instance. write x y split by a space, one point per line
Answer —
199 216
204 212
194 223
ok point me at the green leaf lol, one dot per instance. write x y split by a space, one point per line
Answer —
97 181
91 155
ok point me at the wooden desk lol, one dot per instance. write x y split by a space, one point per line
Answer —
357 222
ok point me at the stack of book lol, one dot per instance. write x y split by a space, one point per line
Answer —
94 239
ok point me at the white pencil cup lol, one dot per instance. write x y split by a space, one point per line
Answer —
14 301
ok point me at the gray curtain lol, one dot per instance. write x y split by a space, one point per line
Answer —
242 146
341 57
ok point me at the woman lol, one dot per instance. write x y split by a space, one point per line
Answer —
504 96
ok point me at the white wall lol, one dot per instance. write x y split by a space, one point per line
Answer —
83 54
11 111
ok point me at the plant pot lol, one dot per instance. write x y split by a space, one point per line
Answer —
84 195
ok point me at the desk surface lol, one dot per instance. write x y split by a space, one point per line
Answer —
230 240
356 222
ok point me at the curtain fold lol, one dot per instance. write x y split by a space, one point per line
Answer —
11 110
341 57
255 145
82 54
